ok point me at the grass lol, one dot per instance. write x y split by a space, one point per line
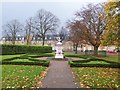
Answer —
96 62
113 58
17 76
21 60
98 77
41 55
9 56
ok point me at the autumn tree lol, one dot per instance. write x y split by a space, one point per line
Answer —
45 22
76 34
112 30
12 29
90 24
29 30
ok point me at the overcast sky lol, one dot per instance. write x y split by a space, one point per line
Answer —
18 9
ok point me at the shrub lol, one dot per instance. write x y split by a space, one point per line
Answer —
83 63
33 62
72 55
41 62
20 49
24 56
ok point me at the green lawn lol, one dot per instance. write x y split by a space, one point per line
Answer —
21 60
97 77
113 58
18 76
9 56
96 62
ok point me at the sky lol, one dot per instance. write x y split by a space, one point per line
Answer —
23 9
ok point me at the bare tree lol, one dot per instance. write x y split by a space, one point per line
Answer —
75 35
29 30
90 24
63 33
12 29
44 22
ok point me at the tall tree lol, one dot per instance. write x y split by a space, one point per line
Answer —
111 34
12 29
90 24
63 33
76 35
29 30
45 22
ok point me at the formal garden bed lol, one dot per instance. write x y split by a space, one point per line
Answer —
24 60
96 72
25 70
19 67
94 63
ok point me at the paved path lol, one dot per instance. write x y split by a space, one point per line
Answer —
59 76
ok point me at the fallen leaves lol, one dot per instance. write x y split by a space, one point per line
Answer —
98 77
20 76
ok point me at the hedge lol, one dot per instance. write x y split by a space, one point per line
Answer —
80 63
41 62
21 49
34 61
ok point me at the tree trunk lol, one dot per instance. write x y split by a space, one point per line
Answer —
27 40
96 50
43 42
13 40
76 45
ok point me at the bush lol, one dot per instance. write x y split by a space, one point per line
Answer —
83 63
21 49
34 62
72 55
41 62
24 56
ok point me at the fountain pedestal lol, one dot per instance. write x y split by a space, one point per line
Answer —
59 52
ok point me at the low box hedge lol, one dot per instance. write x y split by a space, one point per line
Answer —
82 63
43 63
34 61
21 49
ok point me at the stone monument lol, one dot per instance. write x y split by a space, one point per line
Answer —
59 48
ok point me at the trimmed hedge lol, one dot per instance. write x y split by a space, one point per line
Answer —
34 61
21 49
41 62
81 63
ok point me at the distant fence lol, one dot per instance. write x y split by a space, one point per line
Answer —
100 53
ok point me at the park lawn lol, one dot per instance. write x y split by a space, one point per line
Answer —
96 62
9 56
18 76
113 58
21 60
97 77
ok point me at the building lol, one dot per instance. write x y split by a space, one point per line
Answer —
51 40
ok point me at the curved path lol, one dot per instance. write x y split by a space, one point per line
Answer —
59 75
